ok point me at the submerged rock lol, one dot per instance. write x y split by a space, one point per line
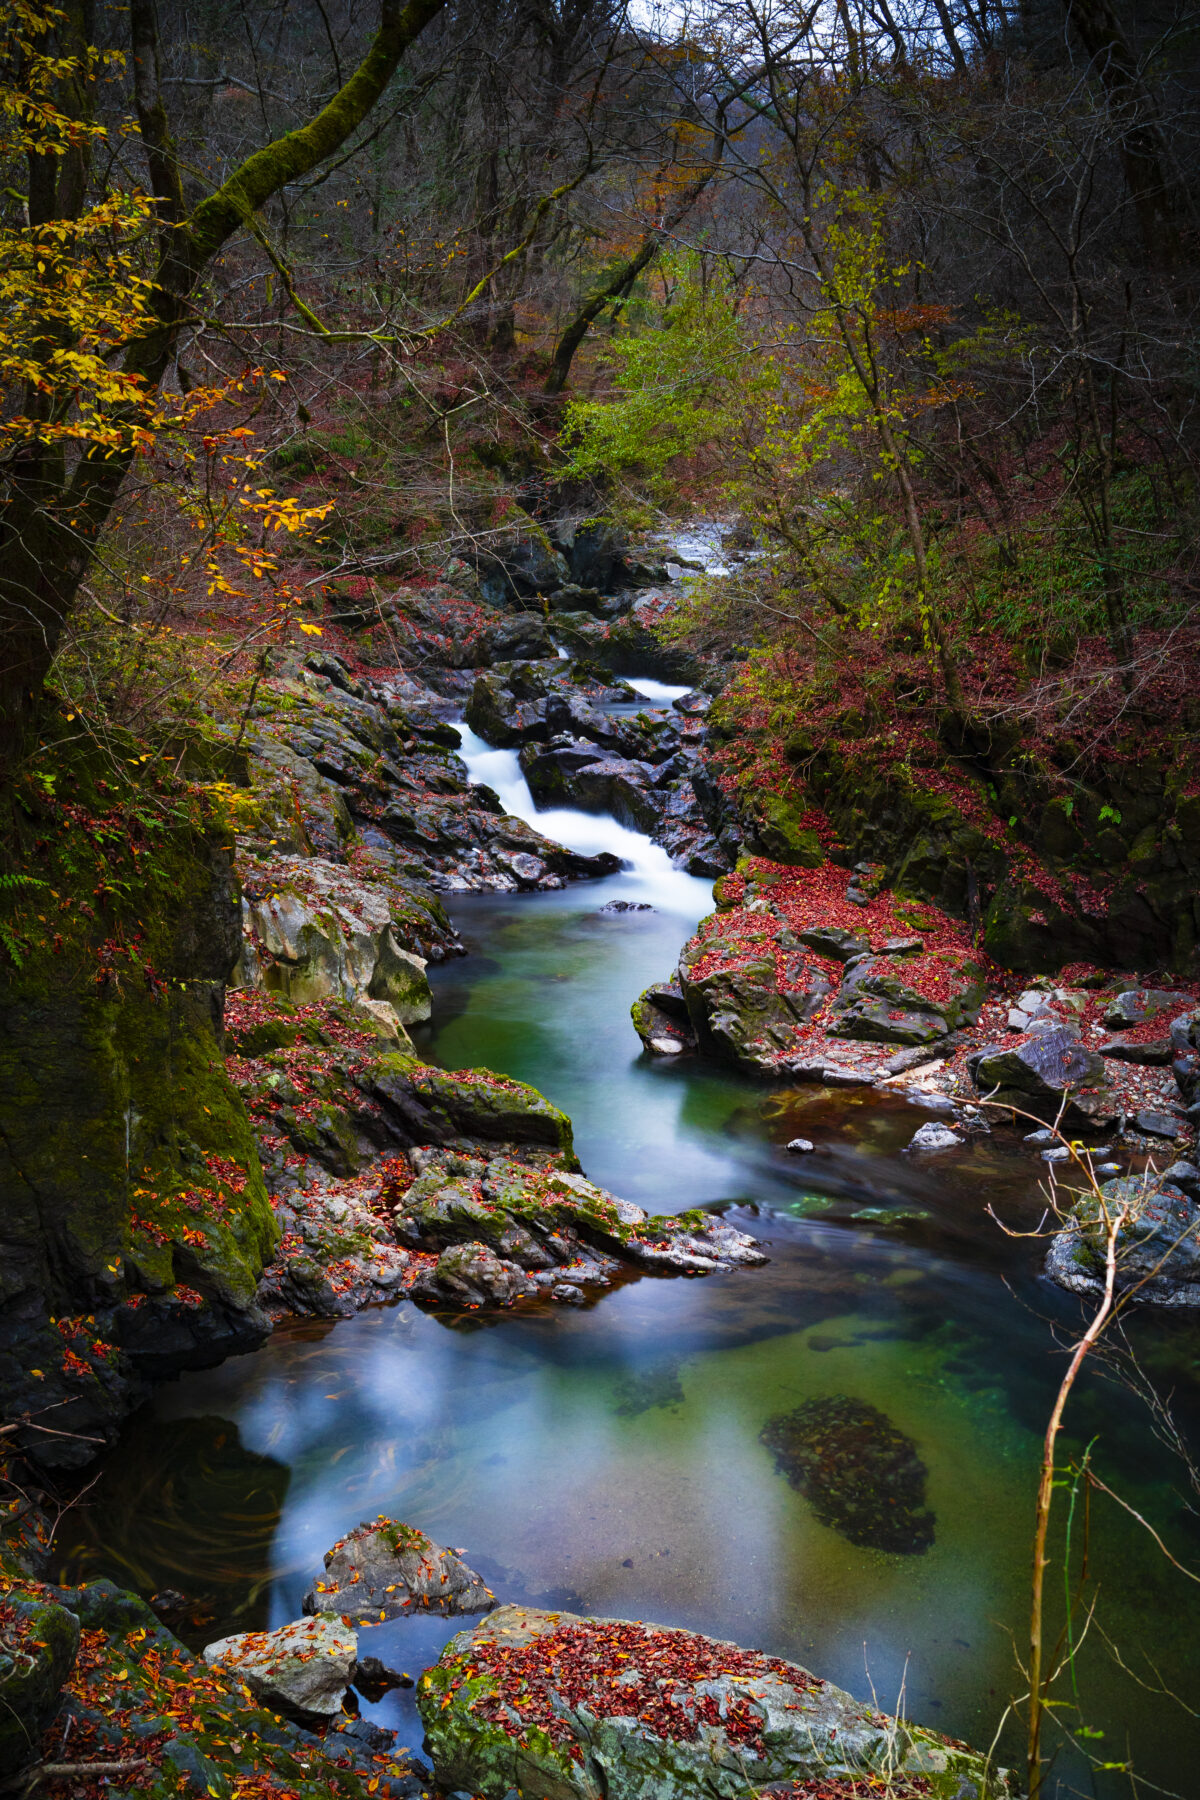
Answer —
862 1475
547 1703
386 1570
304 1668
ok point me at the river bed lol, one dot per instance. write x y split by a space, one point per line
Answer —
608 1458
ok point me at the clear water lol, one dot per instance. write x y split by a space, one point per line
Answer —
608 1458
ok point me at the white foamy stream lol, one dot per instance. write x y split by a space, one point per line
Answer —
648 873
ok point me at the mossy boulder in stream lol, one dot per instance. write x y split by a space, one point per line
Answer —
862 1475
559 1707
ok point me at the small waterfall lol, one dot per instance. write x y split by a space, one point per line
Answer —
648 872
660 691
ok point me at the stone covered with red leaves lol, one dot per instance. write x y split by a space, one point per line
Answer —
804 975
391 1177
566 1708
124 1695
384 1569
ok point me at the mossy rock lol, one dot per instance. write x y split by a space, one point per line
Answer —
775 831
40 1642
549 1705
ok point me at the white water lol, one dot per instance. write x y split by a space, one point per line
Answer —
648 873
658 690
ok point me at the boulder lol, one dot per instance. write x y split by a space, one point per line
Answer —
472 1275
1185 1058
385 1570
1037 1076
660 1018
932 1136
908 1000
836 941
1138 1004
303 1668
1158 1245
861 1474
550 1704
38 1645
318 933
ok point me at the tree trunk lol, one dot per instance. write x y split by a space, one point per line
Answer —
620 282
54 518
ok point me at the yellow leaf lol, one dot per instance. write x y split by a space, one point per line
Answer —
312 630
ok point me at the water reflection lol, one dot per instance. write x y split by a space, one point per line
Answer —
611 1457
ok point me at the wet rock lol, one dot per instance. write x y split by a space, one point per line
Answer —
374 1678
1185 1059
386 1570
1157 1245
660 1018
932 1136
368 1734
747 993
627 906
472 1275
1038 1075
1138 1004
303 1668
800 1146
912 1001
552 1704
862 1475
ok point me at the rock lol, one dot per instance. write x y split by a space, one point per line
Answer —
385 1570
862 1475
368 1734
303 1668
915 1057
932 1136
627 906
660 1018
1153 1054
1038 1075
1137 1004
1185 1060
472 1275
38 1645
319 933
801 1146
1156 1124
1158 1246
835 941
207 1732
747 991
573 1708
915 1001
374 1678
1186 1177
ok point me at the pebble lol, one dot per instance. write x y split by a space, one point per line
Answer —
802 1146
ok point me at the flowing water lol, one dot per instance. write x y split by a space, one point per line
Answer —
609 1458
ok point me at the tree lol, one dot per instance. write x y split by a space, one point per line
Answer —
97 336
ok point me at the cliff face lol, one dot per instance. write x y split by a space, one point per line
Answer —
133 1218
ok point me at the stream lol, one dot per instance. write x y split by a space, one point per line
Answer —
608 1457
